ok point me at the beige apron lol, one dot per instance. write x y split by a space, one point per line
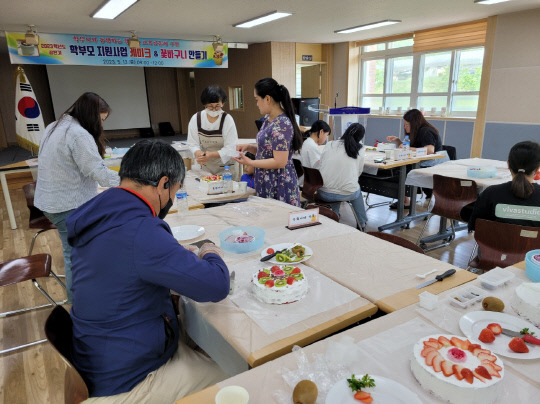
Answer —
212 141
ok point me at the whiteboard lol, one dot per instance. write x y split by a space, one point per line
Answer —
124 89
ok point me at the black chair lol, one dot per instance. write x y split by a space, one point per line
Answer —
451 150
37 219
165 129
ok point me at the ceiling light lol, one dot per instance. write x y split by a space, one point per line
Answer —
274 15
111 9
31 37
367 26
489 1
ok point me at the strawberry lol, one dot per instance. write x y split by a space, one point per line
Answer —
447 368
482 371
296 270
457 371
430 356
518 345
467 375
479 376
426 350
478 351
435 344
484 356
490 366
363 396
437 361
486 335
496 328
262 274
270 251
269 283
486 363
459 343
274 268
472 347
445 341
290 280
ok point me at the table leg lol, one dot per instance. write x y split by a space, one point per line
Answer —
7 198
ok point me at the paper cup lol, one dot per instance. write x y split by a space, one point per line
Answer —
389 154
242 187
232 395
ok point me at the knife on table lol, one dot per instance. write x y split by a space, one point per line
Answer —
231 283
526 337
272 255
438 278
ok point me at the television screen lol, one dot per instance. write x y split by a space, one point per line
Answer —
307 116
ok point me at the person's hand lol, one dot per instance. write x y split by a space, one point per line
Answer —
252 148
210 248
193 248
202 159
243 159
392 138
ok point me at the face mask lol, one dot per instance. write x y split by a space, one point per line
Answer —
164 210
214 114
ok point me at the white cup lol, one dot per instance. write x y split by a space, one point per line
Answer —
433 110
242 187
232 395
389 154
399 109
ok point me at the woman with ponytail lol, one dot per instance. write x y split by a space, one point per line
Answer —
517 201
277 140
342 162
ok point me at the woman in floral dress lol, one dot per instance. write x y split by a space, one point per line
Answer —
277 140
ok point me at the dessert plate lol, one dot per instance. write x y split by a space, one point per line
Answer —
277 247
471 324
386 391
187 232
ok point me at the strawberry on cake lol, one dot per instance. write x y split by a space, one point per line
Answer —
456 370
279 284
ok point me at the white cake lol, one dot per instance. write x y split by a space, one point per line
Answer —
448 356
526 302
279 284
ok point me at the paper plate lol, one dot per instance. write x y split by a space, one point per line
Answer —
187 232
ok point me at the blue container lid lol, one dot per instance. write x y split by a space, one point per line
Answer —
349 110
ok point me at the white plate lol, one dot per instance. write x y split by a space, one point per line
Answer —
386 391
473 323
278 247
187 232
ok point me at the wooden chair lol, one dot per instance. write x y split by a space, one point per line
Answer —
396 240
324 210
23 269
451 196
59 331
37 219
496 250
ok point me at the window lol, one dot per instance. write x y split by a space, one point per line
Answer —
236 98
393 79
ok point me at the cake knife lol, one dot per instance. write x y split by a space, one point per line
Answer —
272 255
438 278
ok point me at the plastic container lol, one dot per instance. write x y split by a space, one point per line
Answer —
481 172
182 202
495 278
428 300
467 296
406 143
241 247
532 265
227 181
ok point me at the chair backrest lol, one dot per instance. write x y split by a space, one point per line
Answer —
451 150
298 167
452 195
324 210
25 268
495 250
397 240
165 129
312 182
59 332
37 219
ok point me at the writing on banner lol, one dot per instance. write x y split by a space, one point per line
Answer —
303 217
95 50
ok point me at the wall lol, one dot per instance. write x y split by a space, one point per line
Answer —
162 89
512 112
340 60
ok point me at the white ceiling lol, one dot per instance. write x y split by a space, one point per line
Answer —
312 20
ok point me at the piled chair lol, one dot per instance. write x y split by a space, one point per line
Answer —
451 196
37 219
24 269
396 240
59 331
495 250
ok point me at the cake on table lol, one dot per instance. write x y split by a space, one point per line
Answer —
456 370
526 302
279 284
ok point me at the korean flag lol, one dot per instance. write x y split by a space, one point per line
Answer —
28 116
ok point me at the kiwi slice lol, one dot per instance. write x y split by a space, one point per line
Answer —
288 269
298 276
263 280
280 283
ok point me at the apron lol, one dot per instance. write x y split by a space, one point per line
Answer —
212 141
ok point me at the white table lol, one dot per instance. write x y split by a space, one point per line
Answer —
23 166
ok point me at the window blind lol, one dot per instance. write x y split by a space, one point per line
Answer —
451 36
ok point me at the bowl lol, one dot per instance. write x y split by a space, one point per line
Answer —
481 171
241 239
532 265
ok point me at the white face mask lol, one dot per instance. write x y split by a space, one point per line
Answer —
214 114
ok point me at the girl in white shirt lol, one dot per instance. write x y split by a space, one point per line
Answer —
342 162
212 135
310 154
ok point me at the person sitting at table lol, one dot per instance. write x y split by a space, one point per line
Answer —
212 134
497 201
421 134
342 162
277 140
71 166
125 261
310 154
248 172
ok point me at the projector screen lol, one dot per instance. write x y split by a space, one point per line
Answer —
124 89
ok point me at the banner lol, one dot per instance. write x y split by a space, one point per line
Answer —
93 50
29 119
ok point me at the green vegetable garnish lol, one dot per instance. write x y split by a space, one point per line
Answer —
357 385
526 331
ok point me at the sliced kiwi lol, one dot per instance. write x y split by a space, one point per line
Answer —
280 283
298 276
288 269
263 280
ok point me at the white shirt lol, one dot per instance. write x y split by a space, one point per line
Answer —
310 154
339 171
230 135
69 168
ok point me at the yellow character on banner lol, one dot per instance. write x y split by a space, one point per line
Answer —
218 51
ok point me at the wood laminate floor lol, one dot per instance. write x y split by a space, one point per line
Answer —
35 375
